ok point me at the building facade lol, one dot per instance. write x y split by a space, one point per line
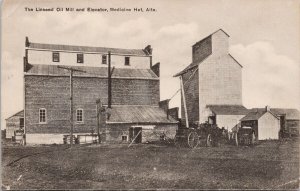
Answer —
134 87
289 120
265 124
213 78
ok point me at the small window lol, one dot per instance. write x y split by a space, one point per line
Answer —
124 137
42 114
21 123
55 56
104 61
79 115
127 61
79 58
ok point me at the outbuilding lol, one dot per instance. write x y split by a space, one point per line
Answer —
265 124
15 122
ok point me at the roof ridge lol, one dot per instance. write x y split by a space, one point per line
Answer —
220 29
85 46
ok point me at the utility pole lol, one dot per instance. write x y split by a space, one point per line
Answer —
109 81
71 97
184 102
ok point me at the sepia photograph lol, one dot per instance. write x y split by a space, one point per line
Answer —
150 95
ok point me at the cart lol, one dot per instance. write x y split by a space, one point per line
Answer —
200 135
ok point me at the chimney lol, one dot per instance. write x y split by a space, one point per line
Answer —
148 49
267 108
27 43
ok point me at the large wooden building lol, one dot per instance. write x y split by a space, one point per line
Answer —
132 98
213 83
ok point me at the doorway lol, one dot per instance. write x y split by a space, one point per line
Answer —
135 134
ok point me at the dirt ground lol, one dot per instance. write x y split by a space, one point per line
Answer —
270 164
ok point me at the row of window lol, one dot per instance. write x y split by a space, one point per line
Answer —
80 58
43 115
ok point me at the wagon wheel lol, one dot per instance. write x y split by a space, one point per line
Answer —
236 139
209 141
193 140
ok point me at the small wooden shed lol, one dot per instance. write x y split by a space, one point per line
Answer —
13 123
265 124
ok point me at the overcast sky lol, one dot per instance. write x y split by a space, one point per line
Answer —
264 38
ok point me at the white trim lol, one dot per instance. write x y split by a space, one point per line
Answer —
45 122
82 116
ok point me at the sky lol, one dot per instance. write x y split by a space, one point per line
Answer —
264 38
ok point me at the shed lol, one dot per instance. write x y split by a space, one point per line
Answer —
13 123
226 116
289 119
265 124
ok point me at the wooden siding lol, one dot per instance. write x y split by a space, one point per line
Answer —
70 58
191 89
12 124
202 49
52 93
220 83
228 121
268 127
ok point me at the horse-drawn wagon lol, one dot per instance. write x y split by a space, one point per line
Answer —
203 135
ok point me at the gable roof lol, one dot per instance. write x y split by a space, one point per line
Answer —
19 114
73 48
138 114
101 72
291 114
195 64
228 109
255 114
211 35
191 66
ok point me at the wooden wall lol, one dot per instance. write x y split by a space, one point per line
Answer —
52 93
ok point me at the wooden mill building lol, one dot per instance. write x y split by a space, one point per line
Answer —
133 97
212 83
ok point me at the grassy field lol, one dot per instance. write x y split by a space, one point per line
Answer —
270 164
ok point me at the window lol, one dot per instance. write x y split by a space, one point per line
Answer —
79 115
42 114
124 137
104 61
79 58
55 56
127 61
21 123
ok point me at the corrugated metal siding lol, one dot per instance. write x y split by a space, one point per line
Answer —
139 52
139 114
41 69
